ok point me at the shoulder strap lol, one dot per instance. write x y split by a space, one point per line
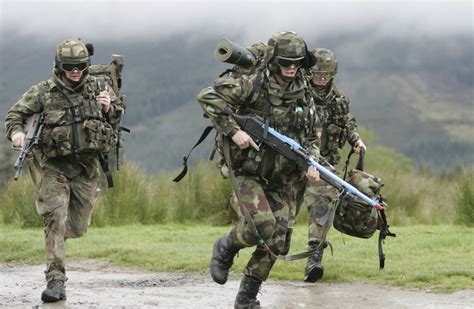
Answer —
183 173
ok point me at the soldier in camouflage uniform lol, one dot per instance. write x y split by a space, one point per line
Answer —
338 127
78 115
264 179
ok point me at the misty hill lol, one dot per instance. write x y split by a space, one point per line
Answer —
415 94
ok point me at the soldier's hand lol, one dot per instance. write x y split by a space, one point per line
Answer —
312 174
359 145
18 139
104 98
243 140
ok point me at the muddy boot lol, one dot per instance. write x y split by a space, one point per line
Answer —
314 269
222 259
54 291
247 296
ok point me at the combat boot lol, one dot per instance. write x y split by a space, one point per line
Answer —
222 259
54 291
314 269
247 296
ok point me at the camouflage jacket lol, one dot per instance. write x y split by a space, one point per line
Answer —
338 125
55 150
291 112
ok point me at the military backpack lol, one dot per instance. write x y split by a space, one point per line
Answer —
355 217
112 76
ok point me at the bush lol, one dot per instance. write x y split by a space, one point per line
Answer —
17 204
465 198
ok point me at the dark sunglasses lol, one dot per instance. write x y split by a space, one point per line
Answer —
81 66
287 62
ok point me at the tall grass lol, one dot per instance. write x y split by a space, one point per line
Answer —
17 203
202 196
465 198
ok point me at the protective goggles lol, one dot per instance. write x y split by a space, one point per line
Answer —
287 62
322 75
80 66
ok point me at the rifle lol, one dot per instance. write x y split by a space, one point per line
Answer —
294 152
34 127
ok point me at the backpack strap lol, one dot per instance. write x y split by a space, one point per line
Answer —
384 232
360 162
104 163
203 136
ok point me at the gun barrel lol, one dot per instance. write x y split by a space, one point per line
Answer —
327 175
347 186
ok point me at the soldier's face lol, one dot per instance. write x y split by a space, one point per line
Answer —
289 71
74 75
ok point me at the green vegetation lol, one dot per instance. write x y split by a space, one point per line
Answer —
465 199
202 196
435 257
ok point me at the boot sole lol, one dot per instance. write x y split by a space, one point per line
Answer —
51 299
314 275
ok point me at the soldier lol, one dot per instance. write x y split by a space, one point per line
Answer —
338 127
263 178
78 115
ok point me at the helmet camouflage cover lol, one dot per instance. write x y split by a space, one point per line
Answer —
71 52
325 61
285 45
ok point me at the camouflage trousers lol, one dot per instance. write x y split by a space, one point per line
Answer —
66 207
320 199
272 211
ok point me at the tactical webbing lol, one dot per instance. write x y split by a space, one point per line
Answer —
74 125
248 217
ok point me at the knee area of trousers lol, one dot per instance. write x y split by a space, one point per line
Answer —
267 229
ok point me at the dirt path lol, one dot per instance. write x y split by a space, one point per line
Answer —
95 283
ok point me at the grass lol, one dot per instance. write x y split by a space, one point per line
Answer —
438 258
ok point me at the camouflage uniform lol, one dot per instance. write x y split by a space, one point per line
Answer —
264 179
66 164
338 127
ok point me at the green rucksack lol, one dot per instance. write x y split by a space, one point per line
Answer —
355 217
112 75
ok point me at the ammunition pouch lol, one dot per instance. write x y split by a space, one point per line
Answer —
62 136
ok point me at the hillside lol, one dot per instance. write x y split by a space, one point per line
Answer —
415 94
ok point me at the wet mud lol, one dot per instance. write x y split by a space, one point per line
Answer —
94 283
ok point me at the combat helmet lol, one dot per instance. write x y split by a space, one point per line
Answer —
326 64
72 54
285 49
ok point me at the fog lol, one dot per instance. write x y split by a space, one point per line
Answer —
250 21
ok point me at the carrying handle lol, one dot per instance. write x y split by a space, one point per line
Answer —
360 162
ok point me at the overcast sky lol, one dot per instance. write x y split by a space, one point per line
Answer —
252 20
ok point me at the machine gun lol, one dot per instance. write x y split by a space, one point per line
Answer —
294 152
